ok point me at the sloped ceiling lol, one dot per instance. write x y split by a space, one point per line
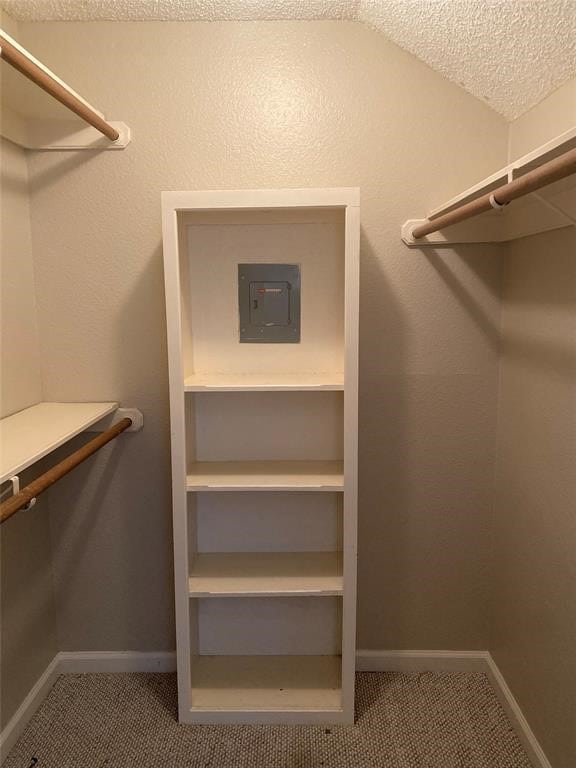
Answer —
508 53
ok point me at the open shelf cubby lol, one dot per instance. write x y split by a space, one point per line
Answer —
262 688
285 440
277 657
264 455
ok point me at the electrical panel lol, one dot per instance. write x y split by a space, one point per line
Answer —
269 303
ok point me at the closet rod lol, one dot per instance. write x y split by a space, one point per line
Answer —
25 63
36 487
554 170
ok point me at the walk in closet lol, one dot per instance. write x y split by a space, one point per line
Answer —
287 395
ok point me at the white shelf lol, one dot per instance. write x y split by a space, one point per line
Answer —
266 476
260 382
31 434
270 574
265 683
551 207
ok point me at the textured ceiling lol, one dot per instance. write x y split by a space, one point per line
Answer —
179 10
509 53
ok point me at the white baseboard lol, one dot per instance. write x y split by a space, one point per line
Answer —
65 663
20 719
459 661
421 661
72 662
515 715
366 661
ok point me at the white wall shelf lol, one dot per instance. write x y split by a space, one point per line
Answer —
59 135
552 207
29 435
279 688
264 459
270 382
266 476
252 574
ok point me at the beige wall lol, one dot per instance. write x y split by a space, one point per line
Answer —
545 121
533 615
28 625
28 628
28 632
534 600
20 382
232 105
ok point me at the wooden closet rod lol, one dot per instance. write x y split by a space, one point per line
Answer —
27 65
553 170
19 500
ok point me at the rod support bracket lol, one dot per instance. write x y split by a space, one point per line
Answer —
15 482
407 229
495 204
133 414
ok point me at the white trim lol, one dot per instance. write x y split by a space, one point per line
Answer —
20 719
459 661
76 662
421 661
515 715
350 500
240 199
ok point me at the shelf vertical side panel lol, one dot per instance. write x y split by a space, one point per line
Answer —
350 506
171 248
185 244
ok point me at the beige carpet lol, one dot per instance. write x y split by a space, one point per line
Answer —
402 721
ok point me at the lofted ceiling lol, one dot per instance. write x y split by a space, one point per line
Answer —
508 53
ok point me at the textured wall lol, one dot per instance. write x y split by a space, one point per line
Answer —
28 626
534 601
20 383
28 632
27 629
533 616
232 105
545 121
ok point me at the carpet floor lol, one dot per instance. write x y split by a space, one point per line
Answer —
402 721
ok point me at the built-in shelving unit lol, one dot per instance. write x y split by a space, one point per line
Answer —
29 435
264 459
552 207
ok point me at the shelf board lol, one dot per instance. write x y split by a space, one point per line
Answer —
270 574
266 476
31 434
266 683
264 382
